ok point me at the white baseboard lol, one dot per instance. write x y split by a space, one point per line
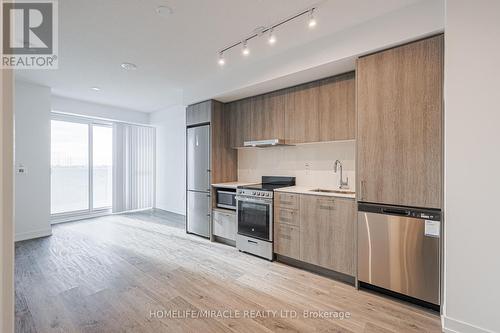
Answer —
33 234
77 217
451 325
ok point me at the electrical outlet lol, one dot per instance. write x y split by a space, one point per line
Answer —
308 168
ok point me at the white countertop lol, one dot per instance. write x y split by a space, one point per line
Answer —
232 184
307 190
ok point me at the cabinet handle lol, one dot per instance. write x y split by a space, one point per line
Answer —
326 207
288 237
286 202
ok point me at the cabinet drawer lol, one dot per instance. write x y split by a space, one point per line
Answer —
326 203
287 200
224 224
287 216
286 240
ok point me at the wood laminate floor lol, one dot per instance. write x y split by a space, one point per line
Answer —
142 273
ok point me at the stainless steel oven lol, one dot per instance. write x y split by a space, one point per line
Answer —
226 198
255 217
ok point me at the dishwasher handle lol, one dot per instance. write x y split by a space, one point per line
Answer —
395 211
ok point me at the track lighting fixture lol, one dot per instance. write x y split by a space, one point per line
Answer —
271 38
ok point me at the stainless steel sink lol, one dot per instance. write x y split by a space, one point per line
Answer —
320 190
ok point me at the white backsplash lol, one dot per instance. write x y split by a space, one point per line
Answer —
311 164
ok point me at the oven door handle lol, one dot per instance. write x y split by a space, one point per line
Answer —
265 201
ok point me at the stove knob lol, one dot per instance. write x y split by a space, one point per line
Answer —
267 195
253 193
259 194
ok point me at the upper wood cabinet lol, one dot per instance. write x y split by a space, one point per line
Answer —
400 107
327 232
317 111
267 118
337 112
302 114
239 119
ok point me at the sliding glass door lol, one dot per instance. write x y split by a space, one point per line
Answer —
81 166
69 167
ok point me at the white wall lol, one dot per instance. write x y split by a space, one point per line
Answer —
170 158
32 150
73 106
311 164
472 164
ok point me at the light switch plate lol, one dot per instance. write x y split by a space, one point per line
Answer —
21 170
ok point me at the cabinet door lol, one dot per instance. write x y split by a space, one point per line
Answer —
239 120
343 252
327 232
287 240
337 108
268 116
399 101
199 113
224 224
301 114
232 121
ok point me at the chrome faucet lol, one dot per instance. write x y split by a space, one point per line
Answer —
342 184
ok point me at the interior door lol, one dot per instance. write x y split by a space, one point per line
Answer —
198 158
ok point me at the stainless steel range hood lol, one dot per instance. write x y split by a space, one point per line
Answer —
265 143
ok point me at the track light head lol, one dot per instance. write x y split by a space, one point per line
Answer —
312 21
221 61
245 50
272 39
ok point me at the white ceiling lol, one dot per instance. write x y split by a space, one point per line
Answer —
178 53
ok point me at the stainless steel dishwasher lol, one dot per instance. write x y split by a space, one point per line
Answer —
399 251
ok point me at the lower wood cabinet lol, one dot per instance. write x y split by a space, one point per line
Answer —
287 200
327 232
320 231
287 240
224 224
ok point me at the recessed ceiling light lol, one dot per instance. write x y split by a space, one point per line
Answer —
129 66
164 11
96 89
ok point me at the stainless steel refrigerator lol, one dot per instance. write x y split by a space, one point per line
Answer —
198 180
